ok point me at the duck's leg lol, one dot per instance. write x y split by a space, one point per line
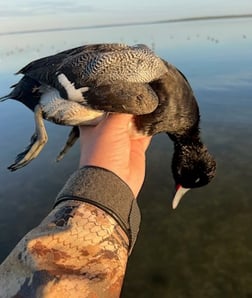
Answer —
72 138
38 141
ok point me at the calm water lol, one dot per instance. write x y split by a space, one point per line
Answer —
204 248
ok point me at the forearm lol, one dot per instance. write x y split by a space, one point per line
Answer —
79 250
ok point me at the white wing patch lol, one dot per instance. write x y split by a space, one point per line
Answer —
73 93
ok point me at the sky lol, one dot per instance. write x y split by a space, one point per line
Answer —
172 8
27 14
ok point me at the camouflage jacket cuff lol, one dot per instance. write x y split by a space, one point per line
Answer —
107 191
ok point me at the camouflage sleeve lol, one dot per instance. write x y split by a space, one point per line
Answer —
81 248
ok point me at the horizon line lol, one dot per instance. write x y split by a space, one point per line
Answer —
154 22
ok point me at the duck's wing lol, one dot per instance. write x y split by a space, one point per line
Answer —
57 59
108 64
95 65
68 63
102 64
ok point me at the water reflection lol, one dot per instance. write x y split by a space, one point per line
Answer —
203 249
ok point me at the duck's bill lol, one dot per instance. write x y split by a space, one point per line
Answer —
178 195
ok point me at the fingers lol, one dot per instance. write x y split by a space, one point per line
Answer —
140 145
119 118
106 145
111 121
111 145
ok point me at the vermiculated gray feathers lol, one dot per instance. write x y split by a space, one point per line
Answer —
101 64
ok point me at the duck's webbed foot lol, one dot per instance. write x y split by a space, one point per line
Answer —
38 141
72 138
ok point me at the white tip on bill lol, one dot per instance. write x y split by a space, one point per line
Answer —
178 196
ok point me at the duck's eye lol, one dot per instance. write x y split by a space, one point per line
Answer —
197 180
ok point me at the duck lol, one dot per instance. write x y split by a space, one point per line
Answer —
80 86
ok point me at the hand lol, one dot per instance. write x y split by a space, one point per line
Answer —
111 145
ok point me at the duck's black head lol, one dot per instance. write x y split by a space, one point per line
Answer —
192 166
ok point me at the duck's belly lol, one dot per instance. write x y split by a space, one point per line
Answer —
67 112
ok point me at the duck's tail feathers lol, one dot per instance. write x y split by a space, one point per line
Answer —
3 98
10 95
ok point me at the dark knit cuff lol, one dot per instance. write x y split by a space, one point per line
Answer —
107 191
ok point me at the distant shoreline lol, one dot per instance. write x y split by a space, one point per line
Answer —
154 22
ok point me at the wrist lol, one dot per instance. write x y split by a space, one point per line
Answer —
107 191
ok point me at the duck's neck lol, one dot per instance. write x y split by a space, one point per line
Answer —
189 139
